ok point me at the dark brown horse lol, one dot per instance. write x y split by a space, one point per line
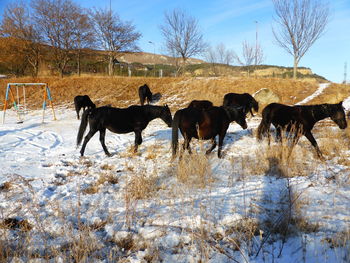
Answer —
132 119
299 119
205 124
145 94
83 101
244 100
200 104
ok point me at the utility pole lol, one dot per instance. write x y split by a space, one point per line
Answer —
154 54
256 42
345 71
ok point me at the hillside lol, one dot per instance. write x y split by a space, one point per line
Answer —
176 92
13 62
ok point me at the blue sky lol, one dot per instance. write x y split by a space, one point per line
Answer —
232 21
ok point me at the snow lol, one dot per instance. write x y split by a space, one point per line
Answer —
321 88
179 221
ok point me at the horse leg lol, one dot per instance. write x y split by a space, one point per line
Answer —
77 109
186 145
212 146
102 140
138 140
221 142
311 138
279 134
86 140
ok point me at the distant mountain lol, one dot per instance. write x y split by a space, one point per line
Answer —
198 67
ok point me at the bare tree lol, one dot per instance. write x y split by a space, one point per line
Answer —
83 34
114 35
17 23
225 56
251 55
13 59
182 35
219 55
55 19
301 23
211 57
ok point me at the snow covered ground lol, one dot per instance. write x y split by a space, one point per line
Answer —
218 213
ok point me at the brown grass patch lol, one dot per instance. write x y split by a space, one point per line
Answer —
107 167
14 223
107 177
332 94
91 189
194 170
141 186
123 91
339 239
6 186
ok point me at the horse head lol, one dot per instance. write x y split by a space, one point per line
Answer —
255 105
166 115
338 115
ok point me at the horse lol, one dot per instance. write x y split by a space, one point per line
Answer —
205 124
300 120
120 120
245 100
145 94
200 104
83 101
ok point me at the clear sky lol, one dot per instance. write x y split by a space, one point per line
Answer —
233 21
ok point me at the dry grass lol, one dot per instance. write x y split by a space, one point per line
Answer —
6 186
339 239
194 170
333 94
123 91
141 186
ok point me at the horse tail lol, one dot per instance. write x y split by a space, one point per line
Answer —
175 134
265 123
82 127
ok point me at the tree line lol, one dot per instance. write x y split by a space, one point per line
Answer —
61 30
67 29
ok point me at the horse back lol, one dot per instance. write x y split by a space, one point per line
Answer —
282 115
245 100
83 101
200 104
118 120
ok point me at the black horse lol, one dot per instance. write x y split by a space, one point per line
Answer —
244 100
145 94
299 119
200 104
132 119
83 101
205 124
